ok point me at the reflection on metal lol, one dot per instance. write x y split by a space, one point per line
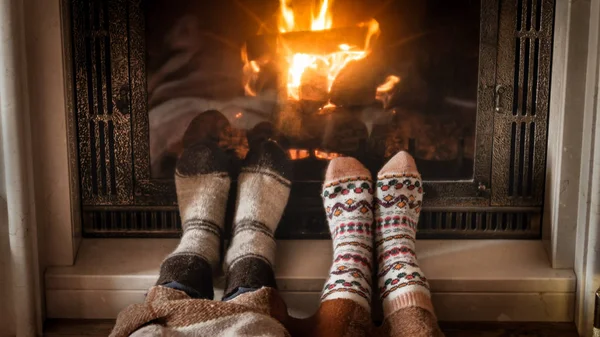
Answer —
119 197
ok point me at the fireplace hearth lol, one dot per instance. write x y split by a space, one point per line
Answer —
462 85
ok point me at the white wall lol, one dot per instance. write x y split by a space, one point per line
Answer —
47 106
45 74
6 308
587 258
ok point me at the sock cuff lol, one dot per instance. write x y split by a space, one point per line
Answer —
421 299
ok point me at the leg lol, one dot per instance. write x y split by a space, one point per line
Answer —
202 181
263 191
403 288
345 304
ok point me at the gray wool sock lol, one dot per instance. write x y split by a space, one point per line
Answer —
263 191
202 180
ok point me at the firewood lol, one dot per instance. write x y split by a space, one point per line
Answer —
308 42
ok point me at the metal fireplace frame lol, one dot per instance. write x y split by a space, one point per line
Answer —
503 200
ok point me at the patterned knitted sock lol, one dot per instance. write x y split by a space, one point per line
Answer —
348 197
263 191
398 198
202 181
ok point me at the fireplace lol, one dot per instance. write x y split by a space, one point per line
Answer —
463 86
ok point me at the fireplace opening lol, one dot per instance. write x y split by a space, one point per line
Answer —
464 86
365 79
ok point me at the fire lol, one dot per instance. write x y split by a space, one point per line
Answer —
326 155
297 154
308 51
286 17
321 21
324 20
325 66
385 90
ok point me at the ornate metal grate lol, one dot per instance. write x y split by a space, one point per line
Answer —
475 223
503 200
523 85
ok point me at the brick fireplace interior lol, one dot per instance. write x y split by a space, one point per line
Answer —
463 86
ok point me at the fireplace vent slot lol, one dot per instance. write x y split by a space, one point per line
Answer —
516 83
479 223
529 5
501 223
519 14
119 223
522 156
534 86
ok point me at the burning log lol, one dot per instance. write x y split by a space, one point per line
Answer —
320 42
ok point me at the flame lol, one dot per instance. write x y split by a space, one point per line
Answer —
326 66
388 85
324 20
286 17
384 91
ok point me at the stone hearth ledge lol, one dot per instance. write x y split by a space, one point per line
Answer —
471 280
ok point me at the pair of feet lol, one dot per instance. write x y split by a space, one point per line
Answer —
367 219
363 219
203 179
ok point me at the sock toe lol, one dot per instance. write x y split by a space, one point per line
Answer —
202 158
345 167
401 163
209 126
268 154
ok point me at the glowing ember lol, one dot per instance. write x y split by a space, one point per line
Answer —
327 155
296 154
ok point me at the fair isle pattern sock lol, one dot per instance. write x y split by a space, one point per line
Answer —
263 191
398 199
202 181
348 196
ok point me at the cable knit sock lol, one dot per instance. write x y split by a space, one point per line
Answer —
398 198
348 197
263 191
202 181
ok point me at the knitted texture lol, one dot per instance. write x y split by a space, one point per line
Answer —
202 182
347 197
398 200
263 191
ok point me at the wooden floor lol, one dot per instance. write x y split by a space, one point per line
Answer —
101 328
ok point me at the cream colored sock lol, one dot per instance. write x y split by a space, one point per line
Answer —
398 202
348 197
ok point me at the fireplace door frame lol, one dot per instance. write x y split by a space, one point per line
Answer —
503 200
